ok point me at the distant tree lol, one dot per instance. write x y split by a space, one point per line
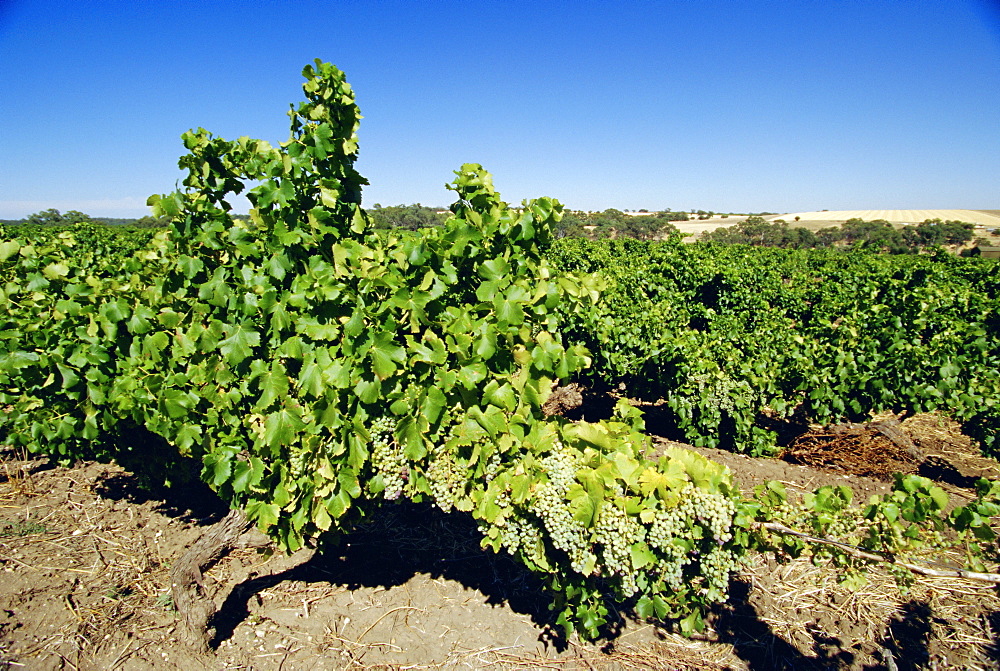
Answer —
668 215
876 234
829 237
409 217
935 233
608 222
801 238
570 226
150 221
52 217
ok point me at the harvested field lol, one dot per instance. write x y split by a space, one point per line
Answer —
988 218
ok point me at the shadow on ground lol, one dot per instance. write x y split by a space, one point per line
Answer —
753 641
400 541
156 474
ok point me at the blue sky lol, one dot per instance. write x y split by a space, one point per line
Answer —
729 105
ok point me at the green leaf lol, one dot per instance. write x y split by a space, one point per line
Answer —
582 506
321 517
186 437
281 428
242 474
501 396
494 269
644 607
368 391
509 312
356 324
595 435
178 403
486 346
591 621
264 514
434 402
348 480
8 248
385 354
693 623
940 497
642 556
54 271
408 433
311 379
221 466
470 376
273 386
238 343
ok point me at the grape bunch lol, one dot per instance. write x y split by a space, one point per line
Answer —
716 567
521 536
298 461
447 479
714 514
842 528
616 531
388 458
492 466
565 533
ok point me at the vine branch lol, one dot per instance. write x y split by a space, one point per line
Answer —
883 559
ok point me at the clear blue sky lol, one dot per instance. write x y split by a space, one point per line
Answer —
730 106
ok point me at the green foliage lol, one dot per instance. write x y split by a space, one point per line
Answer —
910 524
409 217
21 528
758 231
316 367
53 217
613 223
728 337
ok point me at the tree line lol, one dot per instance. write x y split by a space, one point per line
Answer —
53 217
878 235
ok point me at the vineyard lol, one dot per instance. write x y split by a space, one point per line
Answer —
311 369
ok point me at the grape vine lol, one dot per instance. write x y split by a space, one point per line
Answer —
316 367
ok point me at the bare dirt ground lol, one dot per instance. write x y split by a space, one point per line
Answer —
85 555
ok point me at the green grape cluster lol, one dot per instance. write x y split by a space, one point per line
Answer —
717 392
447 479
713 513
565 532
388 458
521 536
842 528
616 532
298 461
716 566
492 466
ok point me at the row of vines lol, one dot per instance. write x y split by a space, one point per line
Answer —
728 335
315 368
